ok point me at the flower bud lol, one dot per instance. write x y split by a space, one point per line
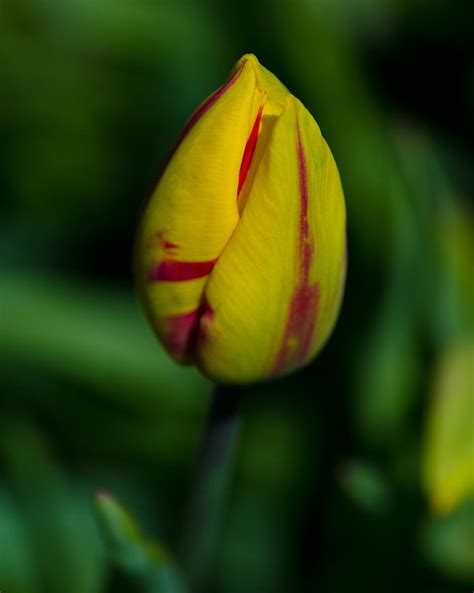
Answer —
241 250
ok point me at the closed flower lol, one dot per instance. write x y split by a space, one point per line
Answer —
241 250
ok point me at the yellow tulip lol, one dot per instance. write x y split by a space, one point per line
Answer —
241 250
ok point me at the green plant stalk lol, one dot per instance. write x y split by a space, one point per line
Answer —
209 496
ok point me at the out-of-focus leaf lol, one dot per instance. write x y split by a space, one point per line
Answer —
96 337
455 248
448 469
17 566
389 372
448 542
144 561
366 486
59 522
387 377
446 225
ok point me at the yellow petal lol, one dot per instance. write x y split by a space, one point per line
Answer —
193 211
273 296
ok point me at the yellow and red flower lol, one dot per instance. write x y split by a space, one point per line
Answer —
241 250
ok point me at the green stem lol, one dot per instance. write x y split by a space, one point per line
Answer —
209 497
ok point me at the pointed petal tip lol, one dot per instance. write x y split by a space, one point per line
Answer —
248 58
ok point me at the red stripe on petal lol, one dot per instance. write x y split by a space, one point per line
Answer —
164 243
306 247
205 322
169 270
195 117
208 103
304 305
179 332
201 110
248 152
170 245
186 334
299 330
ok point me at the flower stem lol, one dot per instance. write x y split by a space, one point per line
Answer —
209 496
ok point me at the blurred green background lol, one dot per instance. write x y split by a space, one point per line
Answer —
355 474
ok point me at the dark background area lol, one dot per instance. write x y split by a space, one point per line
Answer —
330 492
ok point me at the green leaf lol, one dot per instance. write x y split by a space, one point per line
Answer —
97 337
18 572
144 561
386 378
58 521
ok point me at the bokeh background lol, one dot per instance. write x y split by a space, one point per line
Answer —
355 474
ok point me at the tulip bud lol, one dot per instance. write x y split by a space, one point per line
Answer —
241 250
